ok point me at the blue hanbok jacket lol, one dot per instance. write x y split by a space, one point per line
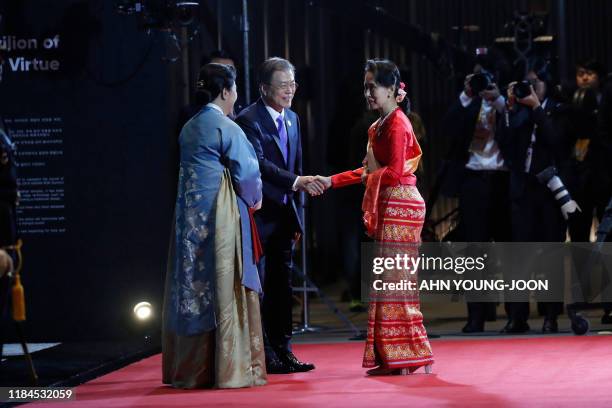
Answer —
209 143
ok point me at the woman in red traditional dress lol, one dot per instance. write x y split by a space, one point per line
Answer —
394 212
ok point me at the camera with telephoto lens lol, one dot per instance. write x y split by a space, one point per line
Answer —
481 81
522 89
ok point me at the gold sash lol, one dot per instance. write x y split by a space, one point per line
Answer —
375 172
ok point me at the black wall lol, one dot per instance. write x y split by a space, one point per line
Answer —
112 94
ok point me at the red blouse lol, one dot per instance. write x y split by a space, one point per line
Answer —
397 152
393 145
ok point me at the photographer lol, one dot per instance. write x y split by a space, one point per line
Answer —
534 137
476 172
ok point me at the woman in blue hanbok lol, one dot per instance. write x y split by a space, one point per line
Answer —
212 333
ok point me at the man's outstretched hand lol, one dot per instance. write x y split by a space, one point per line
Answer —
313 185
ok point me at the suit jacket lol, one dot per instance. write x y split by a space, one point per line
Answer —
278 176
551 147
459 125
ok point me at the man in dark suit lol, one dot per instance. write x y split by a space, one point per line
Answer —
534 139
477 174
274 131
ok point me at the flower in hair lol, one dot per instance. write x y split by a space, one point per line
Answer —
401 93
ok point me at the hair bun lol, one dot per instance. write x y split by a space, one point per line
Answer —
212 80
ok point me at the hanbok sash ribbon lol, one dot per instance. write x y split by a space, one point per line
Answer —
257 247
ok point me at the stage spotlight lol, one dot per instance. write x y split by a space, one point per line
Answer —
143 311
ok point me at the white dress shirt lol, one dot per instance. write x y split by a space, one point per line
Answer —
489 158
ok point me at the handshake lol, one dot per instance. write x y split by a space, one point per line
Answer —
313 185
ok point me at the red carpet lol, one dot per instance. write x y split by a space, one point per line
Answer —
526 372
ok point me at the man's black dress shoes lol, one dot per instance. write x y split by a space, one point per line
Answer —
290 360
550 326
276 366
515 327
472 327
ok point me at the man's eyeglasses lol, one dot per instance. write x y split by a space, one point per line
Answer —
285 86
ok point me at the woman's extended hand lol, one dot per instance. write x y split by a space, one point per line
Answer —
364 176
323 182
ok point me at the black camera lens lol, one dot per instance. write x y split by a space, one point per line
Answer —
479 82
522 89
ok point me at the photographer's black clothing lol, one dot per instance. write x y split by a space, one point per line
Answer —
536 215
550 148
485 212
480 183
459 126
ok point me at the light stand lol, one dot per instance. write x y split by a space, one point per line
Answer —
308 286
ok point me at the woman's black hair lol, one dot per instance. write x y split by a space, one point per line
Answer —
213 79
387 74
